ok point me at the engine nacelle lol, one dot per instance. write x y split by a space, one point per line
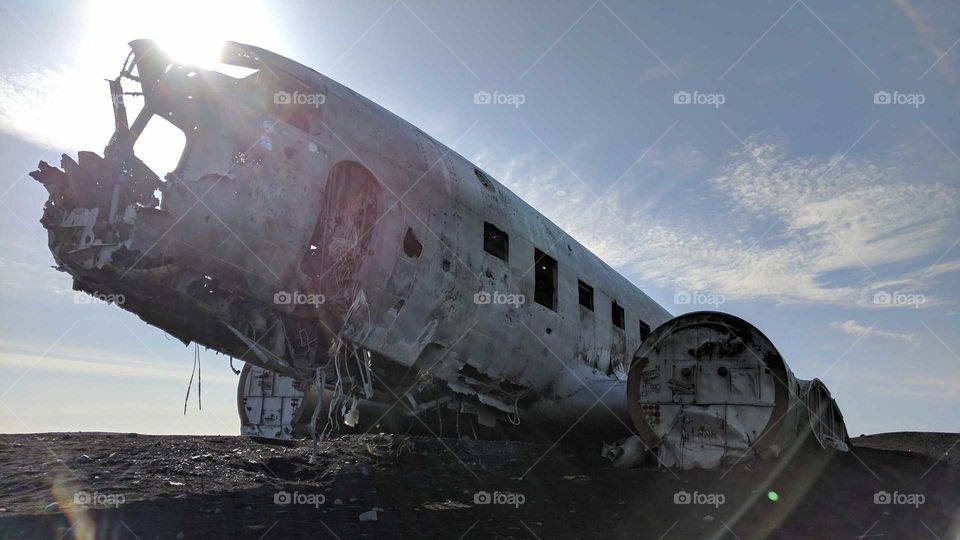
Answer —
708 387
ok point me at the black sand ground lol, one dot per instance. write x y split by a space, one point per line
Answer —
211 487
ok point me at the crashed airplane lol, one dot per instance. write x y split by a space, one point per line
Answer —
370 277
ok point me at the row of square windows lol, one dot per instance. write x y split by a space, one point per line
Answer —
497 243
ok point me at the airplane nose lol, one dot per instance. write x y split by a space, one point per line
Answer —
192 266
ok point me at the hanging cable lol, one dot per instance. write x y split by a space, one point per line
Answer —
515 417
196 361
459 406
199 378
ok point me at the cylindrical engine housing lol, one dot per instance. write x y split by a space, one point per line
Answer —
706 387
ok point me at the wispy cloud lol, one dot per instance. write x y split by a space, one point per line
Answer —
790 229
27 271
851 212
91 363
854 328
919 280
56 107
930 38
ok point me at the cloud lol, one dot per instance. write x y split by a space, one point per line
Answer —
68 107
929 38
764 225
56 107
87 362
852 212
854 328
919 280
26 272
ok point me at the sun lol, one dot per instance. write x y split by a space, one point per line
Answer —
195 51
191 31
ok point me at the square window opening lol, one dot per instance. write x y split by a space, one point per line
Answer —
644 331
616 312
585 292
545 280
495 241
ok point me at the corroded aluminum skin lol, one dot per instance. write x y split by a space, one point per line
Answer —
262 183
330 198
708 388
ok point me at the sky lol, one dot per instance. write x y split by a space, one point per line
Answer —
795 163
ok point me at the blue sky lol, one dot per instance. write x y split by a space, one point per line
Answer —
787 191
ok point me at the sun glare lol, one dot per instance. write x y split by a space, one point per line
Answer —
195 51
191 31
74 97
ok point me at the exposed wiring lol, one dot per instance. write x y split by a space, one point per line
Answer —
515 417
194 371
321 381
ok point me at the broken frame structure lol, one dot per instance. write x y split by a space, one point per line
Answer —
367 274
